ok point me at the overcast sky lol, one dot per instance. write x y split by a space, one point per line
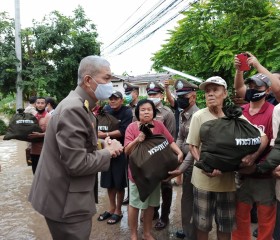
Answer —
112 18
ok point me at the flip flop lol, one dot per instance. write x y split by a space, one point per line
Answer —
104 216
160 225
115 218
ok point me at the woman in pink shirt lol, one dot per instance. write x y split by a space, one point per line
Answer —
145 112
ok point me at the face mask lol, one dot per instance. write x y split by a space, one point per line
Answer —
128 98
155 100
253 95
183 102
103 91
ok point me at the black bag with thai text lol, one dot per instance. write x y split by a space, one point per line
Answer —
107 122
225 141
21 125
150 162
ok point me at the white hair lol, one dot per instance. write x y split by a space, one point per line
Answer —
91 65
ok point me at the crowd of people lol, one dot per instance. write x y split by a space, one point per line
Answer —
65 186
42 108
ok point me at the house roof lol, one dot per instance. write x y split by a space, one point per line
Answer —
144 78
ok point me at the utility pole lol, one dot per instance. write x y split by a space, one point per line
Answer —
18 55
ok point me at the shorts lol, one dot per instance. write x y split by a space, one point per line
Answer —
261 191
209 204
134 199
116 176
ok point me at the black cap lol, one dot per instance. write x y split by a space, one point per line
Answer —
184 87
128 87
154 88
259 79
117 94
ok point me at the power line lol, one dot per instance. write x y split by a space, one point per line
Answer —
160 2
149 34
131 15
155 18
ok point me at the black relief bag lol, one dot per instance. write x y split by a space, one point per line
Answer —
107 122
150 162
273 158
21 125
225 141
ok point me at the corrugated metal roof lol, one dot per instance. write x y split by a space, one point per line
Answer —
158 77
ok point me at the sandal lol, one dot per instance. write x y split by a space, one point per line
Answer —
115 218
104 216
160 225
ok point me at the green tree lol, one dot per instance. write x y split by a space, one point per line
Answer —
51 52
7 55
210 34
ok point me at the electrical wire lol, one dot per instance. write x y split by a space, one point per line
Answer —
159 3
155 18
155 30
131 16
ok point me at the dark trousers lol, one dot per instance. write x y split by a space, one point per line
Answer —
166 198
70 231
35 160
187 208
276 234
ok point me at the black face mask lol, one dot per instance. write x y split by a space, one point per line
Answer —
253 95
183 102
40 111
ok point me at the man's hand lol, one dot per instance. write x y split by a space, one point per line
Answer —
101 134
35 135
215 173
247 161
237 63
276 172
180 157
166 83
172 174
253 61
114 146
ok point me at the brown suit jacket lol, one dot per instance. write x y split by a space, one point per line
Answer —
63 186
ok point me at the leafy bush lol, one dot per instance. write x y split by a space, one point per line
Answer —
8 109
3 127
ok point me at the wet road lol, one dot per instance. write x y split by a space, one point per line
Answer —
18 220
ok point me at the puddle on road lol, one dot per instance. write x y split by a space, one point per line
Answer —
15 182
19 221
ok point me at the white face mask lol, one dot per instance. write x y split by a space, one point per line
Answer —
103 90
155 100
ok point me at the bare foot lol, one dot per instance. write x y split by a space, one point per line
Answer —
148 237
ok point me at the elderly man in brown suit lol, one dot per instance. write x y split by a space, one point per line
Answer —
63 186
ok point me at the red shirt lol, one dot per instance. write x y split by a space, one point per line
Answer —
261 120
132 132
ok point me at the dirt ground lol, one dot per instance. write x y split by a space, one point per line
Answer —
19 221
